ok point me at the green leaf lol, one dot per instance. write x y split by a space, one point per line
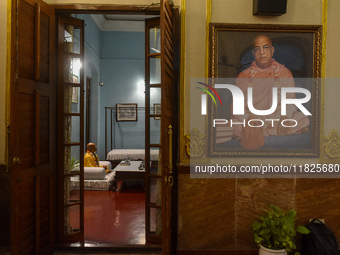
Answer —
276 229
302 230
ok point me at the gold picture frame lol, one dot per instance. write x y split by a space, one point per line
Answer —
297 47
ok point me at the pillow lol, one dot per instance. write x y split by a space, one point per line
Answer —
94 173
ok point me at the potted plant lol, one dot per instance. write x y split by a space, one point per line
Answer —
275 232
74 165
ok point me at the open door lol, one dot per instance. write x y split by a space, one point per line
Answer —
70 130
32 128
168 125
159 91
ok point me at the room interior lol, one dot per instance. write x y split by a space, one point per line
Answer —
114 46
214 215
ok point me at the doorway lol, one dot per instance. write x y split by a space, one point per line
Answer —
159 206
50 153
159 65
114 65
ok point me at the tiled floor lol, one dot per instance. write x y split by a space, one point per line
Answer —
115 217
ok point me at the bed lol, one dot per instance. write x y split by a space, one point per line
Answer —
133 154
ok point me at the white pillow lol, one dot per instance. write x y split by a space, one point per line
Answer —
94 173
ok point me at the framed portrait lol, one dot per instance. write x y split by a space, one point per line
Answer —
276 71
126 112
157 110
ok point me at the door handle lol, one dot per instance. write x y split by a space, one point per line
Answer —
17 160
171 181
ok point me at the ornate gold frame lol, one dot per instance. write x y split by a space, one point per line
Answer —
311 31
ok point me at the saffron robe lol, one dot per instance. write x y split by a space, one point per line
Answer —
262 81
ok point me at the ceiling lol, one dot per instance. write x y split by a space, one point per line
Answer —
121 22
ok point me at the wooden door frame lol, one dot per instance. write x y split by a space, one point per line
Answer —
130 9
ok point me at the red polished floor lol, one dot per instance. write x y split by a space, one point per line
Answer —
115 217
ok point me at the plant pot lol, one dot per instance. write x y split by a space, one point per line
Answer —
266 251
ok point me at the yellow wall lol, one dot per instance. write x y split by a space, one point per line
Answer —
302 12
332 89
232 204
3 43
307 12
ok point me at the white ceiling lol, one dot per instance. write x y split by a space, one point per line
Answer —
118 22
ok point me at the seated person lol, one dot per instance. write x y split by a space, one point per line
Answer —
91 157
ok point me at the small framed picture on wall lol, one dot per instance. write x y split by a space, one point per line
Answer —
157 110
126 112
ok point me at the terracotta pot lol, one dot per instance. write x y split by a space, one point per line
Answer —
266 251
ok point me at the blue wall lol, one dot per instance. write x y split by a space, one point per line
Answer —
118 60
91 67
92 70
122 71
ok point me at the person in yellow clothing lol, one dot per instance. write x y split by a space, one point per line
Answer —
91 157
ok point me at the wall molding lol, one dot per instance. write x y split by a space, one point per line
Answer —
331 144
322 157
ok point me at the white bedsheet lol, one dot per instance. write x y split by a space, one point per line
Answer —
133 154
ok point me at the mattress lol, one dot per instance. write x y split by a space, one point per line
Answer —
133 154
105 184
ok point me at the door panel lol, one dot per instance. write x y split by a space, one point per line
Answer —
153 170
32 124
160 107
168 110
70 130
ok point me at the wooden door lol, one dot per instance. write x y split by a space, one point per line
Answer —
70 130
168 124
32 128
160 109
